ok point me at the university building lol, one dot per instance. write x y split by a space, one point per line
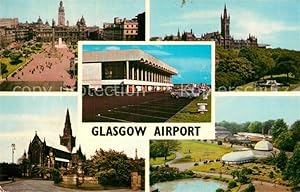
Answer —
223 39
126 71
52 155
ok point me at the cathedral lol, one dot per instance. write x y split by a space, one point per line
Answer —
51 155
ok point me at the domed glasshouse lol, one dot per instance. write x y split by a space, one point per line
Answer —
263 146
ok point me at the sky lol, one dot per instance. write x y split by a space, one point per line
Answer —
260 108
21 116
95 12
274 22
89 143
193 62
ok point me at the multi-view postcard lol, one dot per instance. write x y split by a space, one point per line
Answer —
149 95
146 83
38 39
257 42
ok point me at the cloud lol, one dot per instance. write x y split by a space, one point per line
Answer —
190 64
157 52
111 48
250 22
26 118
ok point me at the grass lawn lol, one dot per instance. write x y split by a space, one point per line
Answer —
11 68
260 171
210 167
294 83
161 160
199 150
190 114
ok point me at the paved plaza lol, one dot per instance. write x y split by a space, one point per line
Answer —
44 68
44 186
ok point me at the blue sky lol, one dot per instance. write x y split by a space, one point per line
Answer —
193 62
21 116
259 108
275 22
95 12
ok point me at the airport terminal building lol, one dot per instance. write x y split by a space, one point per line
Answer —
126 71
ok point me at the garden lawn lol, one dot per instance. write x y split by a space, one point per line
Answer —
161 160
209 167
200 151
294 83
190 114
11 68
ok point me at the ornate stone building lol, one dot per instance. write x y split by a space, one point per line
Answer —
223 39
47 154
121 29
61 14
11 30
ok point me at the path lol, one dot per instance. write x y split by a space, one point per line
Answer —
44 186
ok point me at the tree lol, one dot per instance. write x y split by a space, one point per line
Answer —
15 58
113 168
285 141
3 68
163 148
281 160
267 126
287 64
6 52
295 129
255 127
279 126
293 169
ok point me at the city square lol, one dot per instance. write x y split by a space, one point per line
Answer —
41 54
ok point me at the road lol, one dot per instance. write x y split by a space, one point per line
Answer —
44 186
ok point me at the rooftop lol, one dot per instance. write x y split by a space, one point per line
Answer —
127 55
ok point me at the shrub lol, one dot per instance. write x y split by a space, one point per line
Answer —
56 177
188 157
3 68
250 188
220 190
232 184
196 164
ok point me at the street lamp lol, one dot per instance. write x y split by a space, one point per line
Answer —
13 148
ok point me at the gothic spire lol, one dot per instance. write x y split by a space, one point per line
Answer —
225 11
68 129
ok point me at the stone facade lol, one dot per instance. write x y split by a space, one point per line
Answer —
223 39
12 31
47 154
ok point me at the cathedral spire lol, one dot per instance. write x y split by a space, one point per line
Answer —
67 139
67 129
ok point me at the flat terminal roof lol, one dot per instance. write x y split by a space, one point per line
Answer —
126 55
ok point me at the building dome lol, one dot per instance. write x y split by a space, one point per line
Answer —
238 157
263 146
40 21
